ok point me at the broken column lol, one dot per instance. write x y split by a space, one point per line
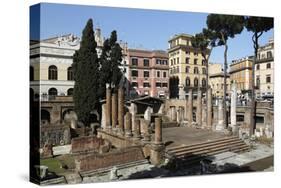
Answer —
120 111
199 108
220 125
136 131
181 92
103 116
157 148
233 123
108 106
158 131
133 110
128 125
145 130
209 109
114 111
190 107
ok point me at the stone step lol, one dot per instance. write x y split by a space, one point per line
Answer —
210 149
203 143
192 150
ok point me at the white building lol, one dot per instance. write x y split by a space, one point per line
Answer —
50 65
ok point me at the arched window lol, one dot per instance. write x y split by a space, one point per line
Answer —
70 92
53 92
187 81
69 73
204 82
195 82
204 71
31 73
53 72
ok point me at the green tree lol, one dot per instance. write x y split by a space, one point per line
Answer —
225 27
110 61
86 73
256 25
204 41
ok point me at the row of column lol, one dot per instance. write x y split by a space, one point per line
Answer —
199 110
117 121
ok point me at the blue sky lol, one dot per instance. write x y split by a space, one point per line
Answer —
149 29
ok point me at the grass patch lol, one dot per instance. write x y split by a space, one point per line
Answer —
56 164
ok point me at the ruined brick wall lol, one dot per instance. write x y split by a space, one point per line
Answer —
86 143
96 161
54 135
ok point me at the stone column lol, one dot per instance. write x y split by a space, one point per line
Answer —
181 92
144 130
136 131
199 108
108 106
158 131
190 107
114 111
233 107
220 125
133 113
204 114
128 125
173 113
103 116
209 109
121 110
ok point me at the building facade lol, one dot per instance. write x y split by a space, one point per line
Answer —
51 65
187 66
241 73
216 80
147 73
264 70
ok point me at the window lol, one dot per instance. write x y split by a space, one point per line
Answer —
204 71
53 92
187 69
186 60
195 54
178 60
158 84
70 92
171 61
203 62
164 74
69 73
31 73
134 84
53 72
187 52
240 118
268 78
269 54
165 62
164 84
146 62
134 61
158 74
258 82
196 70
258 67
146 84
187 81
195 82
178 69
268 65
134 73
204 82
195 61
146 74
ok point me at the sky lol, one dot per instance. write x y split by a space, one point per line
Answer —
140 28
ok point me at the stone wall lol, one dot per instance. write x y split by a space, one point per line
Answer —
54 135
97 161
88 144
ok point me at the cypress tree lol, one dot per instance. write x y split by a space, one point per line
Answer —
86 73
